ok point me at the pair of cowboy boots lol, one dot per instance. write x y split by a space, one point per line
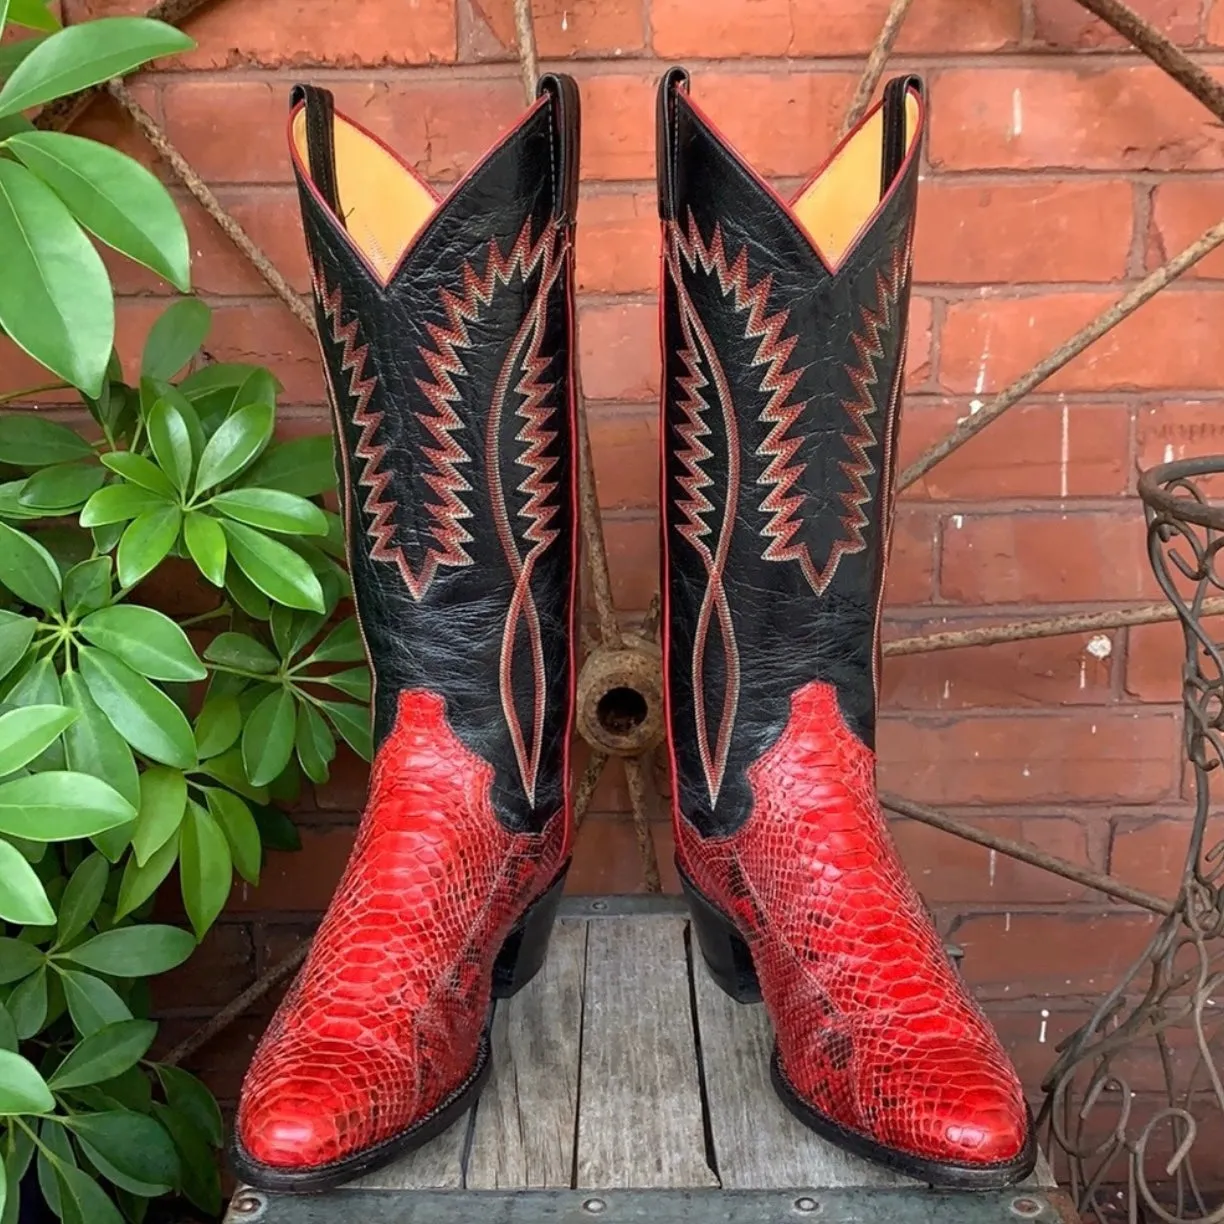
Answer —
447 329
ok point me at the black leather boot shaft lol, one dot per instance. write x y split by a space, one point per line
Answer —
449 366
783 368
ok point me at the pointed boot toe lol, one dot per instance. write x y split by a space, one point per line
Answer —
299 1126
950 1116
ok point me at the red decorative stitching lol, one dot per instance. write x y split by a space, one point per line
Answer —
781 413
523 616
715 606
445 481
445 361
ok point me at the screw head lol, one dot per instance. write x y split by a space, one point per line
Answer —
247 1203
807 1206
1025 1206
599 905
595 1206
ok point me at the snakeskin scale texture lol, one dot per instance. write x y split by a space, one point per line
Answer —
874 1026
384 1021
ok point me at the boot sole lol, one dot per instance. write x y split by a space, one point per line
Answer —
729 961
521 957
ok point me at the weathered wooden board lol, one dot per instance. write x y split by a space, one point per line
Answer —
640 1117
525 1120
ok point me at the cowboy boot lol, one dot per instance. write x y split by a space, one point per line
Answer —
447 335
784 339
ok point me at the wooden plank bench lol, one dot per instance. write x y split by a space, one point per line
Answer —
627 1087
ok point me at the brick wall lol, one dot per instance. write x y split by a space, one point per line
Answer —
1058 170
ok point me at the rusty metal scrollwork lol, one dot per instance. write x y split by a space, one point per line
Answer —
1164 1021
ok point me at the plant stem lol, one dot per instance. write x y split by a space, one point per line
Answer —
38 1143
222 610
305 696
263 677
25 392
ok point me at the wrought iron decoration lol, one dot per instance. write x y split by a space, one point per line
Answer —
1096 1121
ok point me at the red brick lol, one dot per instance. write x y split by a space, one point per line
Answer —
1049 758
107 121
1050 954
331 33
203 119
1045 558
619 351
297 33
265 333
345 791
1020 454
617 135
1151 854
19 371
618 243
273 943
1039 672
911 562
1169 342
299 881
607 860
567 28
1154 658
1063 26
133 319
176 588
784 123
222 1062
949 871
1215 25
918 350
1178 430
1037 229
269 216
633 557
1031 1030
626 449
611 795
218 969
1182 209
1102 1123
440 127
1080 117
729 28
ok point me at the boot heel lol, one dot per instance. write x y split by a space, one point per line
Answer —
522 955
722 947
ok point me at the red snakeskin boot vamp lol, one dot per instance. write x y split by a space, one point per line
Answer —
875 1029
385 1020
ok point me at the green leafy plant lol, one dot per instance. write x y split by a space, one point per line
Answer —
56 190
129 748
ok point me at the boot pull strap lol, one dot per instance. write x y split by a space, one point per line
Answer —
896 127
320 141
562 94
674 79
